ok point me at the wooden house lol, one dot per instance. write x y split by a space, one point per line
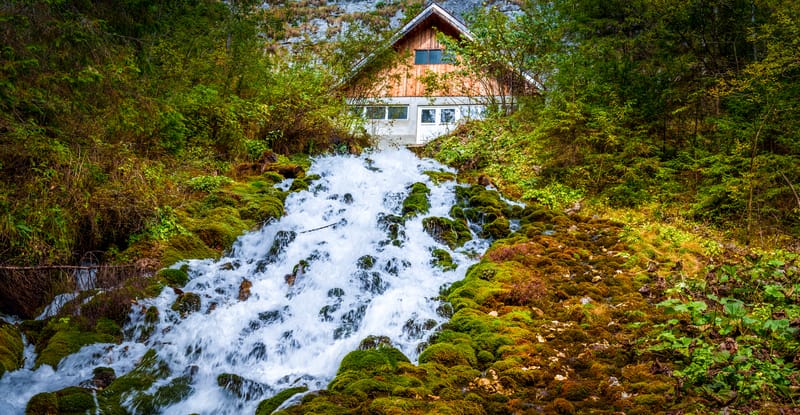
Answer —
421 94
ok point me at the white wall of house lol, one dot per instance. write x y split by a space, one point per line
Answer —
425 118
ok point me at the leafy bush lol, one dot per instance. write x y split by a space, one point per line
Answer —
208 183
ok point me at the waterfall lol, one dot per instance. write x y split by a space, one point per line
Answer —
290 300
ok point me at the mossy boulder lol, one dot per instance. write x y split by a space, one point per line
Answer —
449 355
443 260
64 336
180 247
173 277
497 229
372 360
219 228
416 203
268 406
11 348
452 233
240 387
187 303
141 378
68 401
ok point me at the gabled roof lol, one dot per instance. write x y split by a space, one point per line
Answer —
431 11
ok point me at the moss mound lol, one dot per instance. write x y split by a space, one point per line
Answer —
416 203
268 406
64 336
11 348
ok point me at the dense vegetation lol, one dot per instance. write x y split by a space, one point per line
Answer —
152 131
685 106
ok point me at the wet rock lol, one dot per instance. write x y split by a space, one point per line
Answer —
102 377
240 387
187 303
244 289
452 233
374 342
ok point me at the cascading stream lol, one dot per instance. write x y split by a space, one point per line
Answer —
291 299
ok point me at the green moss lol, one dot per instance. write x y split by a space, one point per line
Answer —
452 233
181 247
267 406
67 338
68 401
11 348
438 177
149 369
449 354
497 229
75 400
42 404
187 303
219 228
372 360
173 277
416 203
443 260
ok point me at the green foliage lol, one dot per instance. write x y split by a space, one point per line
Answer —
741 346
208 183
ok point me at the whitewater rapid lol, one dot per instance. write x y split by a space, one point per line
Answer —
326 275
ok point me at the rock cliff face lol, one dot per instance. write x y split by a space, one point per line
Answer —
321 20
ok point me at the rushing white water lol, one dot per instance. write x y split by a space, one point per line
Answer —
324 277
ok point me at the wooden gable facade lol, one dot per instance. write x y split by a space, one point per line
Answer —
421 94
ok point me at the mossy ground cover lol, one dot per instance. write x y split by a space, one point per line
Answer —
577 314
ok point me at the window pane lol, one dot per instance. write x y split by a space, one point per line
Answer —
421 57
376 113
435 56
398 113
357 111
448 115
428 116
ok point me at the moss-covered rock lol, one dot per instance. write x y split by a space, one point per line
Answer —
68 401
416 203
42 404
180 247
173 277
267 406
11 348
240 387
448 354
452 233
149 369
63 336
187 303
443 260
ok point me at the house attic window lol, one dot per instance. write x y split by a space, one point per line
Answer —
428 56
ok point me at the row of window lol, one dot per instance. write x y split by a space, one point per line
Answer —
382 112
400 112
